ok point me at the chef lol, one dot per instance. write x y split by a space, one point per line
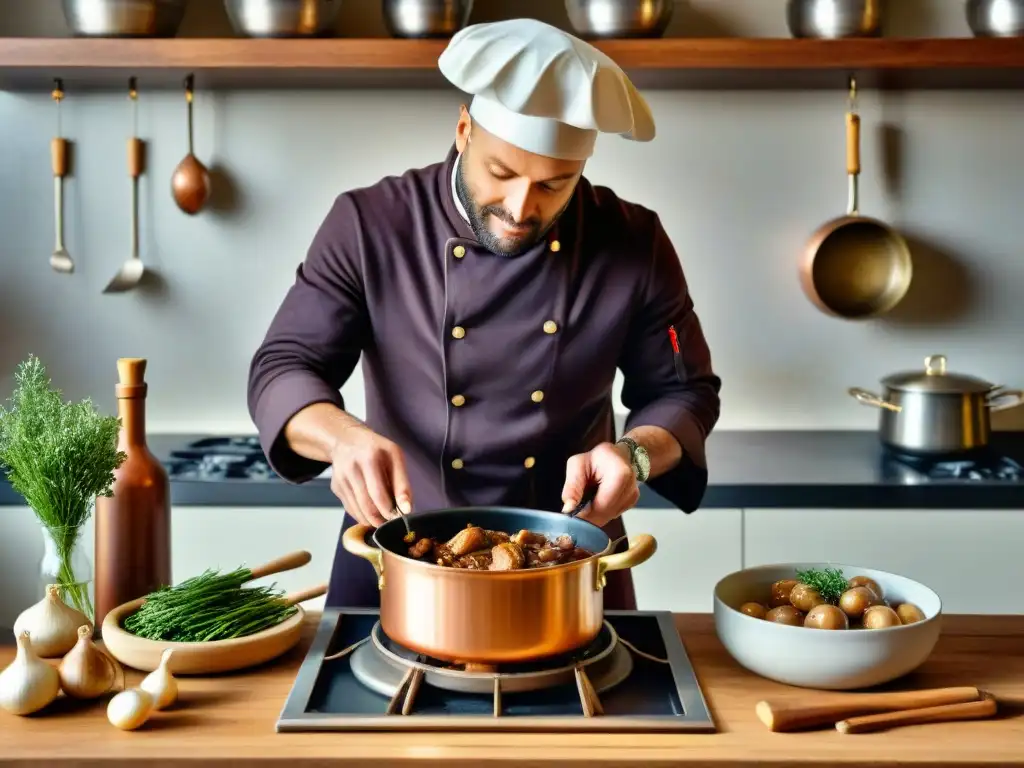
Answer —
490 298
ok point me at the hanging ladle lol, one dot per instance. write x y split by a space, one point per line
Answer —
131 271
190 184
60 260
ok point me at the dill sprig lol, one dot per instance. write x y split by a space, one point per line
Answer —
829 582
59 456
211 606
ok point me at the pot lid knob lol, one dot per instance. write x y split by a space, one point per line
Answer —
935 365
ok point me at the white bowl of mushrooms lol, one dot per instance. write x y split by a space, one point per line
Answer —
825 625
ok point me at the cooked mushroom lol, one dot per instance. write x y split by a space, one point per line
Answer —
467 540
507 557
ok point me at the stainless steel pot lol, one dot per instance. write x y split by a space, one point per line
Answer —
426 18
833 19
937 412
996 18
619 18
123 18
492 617
282 18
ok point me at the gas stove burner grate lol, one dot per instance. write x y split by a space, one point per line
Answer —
983 466
391 670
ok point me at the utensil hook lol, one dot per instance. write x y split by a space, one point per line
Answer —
189 90
58 96
133 95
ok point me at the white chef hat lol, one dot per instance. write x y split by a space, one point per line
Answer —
542 89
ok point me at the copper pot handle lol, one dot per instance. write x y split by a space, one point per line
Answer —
354 541
1004 399
864 397
641 548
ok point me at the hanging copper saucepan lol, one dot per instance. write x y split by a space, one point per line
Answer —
855 267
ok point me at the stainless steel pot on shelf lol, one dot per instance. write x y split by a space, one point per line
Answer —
995 18
426 18
123 18
282 18
834 19
937 412
619 18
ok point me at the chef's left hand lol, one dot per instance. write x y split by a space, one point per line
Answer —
608 467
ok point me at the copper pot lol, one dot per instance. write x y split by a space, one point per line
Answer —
855 266
492 617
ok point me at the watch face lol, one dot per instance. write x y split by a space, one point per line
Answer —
643 461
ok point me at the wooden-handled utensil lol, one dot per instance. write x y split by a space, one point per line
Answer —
131 271
786 716
60 259
288 562
971 710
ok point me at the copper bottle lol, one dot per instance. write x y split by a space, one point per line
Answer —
133 527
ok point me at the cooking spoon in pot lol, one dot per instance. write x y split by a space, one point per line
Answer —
190 183
131 271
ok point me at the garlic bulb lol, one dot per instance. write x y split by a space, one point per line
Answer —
160 684
130 709
52 624
28 683
86 672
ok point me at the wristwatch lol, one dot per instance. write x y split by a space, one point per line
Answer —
638 459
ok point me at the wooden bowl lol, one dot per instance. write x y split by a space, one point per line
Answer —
198 658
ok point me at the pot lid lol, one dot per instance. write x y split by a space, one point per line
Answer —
934 378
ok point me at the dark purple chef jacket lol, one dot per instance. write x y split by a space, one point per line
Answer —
395 277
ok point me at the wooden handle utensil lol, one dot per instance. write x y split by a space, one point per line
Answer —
785 716
287 562
306 594
972 710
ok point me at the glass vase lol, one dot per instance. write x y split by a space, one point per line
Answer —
66 564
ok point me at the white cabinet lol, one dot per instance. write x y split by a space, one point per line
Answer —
971 558
694 552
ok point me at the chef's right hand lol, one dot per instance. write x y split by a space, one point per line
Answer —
368 475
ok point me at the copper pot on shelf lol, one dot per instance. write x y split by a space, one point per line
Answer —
492 617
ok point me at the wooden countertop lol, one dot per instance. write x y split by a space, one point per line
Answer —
230 720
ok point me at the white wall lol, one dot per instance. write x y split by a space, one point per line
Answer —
740 180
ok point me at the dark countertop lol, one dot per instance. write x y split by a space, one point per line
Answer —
748 469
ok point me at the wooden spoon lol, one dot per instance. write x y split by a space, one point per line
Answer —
190 183
970 710
781 717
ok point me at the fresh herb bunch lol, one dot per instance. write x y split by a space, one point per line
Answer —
211 606
829 582
59 456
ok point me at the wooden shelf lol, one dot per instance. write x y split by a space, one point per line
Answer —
729 63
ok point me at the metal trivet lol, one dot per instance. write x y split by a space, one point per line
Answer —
391 670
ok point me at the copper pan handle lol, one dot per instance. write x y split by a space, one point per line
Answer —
864 397
354 541
853 162
641 548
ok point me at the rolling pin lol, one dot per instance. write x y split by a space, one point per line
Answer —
783 716
971 710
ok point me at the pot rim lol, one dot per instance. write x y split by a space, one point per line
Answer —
467 572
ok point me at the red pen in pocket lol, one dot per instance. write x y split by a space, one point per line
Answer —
677 357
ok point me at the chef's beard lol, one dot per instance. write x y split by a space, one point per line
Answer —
501 246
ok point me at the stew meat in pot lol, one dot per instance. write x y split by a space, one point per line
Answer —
477 549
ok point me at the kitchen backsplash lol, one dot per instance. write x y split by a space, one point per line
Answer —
740 180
